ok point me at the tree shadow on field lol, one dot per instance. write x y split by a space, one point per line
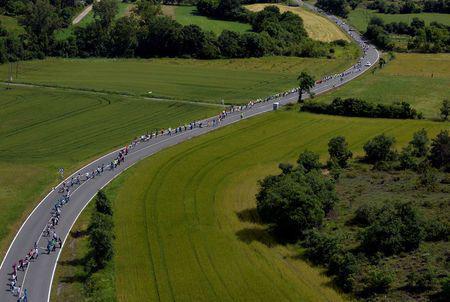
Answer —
249 215
257 231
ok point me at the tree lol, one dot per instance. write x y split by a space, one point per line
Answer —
102 203
229 44
338 150
440 151
420 143
295 202
445 109
309 160
378 280
101 243
379 149
147 9
106 11
306 82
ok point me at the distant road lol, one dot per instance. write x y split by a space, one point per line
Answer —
38 276
83 14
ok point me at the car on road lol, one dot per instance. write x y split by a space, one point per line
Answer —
368 64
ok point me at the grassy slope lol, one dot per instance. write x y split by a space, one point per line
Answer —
360 17
42 130
188 15
318 27
237 80
420 79
186 217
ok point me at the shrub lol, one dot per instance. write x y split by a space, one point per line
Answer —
380 149
421 281
345 267
321 247
407 159
378 281
366 214
436 230
420 143
103 204
396 229
309 161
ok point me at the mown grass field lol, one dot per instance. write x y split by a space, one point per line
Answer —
42 130
233 80
187 15
423 80
317 27
360 18
186 227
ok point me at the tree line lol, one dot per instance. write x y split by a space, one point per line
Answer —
296 202
410 6
147 33
434 37
362 108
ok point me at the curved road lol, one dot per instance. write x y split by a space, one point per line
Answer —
37 278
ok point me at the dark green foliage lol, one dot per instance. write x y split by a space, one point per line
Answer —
422 281
378 281
337 7
420 143
366 214
440 151
105 11
286 167
103 204
445 110
305 83
379 149
295 202
101 244
321 247
339 151
436 230
396 228
428 177
309 161
357 107
407 159
345 266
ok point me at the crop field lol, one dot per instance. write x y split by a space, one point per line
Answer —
234 80
186 226
187 15
423 80
42 130
317 27
360 18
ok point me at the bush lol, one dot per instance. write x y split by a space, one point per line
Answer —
436 230
102 203
422 281
379 149
345 267
321 247
378 281
396 229
366 214
309 161
407 159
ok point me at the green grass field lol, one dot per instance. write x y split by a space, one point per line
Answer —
235 80
186 227
11 24
44 129
360 18
187 15
422 80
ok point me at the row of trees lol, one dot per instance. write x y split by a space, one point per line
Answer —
338 7
361 108
410 6
147 33
423 38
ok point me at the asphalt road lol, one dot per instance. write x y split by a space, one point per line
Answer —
37 278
